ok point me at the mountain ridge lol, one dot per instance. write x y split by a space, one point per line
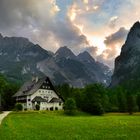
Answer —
20 59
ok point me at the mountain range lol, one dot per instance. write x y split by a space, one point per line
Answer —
20 59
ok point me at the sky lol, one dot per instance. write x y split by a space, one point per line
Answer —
97 26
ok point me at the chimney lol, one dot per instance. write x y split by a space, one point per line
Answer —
35 78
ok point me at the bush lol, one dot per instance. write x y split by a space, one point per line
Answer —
70 106
94 108
37 106
18 107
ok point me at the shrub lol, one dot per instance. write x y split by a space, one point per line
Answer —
37 106
18 107
70 106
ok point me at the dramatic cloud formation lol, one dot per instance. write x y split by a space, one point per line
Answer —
79 24
116 37
113 46
38 21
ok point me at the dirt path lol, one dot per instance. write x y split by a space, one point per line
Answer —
3 115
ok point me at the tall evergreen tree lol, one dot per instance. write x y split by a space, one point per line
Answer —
131 103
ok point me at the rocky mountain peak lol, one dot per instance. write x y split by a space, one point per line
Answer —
64 52
85 56
133 38
127 65
136 25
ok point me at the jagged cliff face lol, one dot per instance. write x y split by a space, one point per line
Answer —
20 59
78 71
127 65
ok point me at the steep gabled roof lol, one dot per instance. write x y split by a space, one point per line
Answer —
30 87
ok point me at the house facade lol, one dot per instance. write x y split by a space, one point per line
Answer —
39 91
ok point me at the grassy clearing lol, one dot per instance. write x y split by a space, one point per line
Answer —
56 126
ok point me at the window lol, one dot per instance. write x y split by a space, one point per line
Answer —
46 97
59 104
51 108
29 100
56 108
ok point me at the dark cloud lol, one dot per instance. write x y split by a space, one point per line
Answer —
116 37
38 21
113 43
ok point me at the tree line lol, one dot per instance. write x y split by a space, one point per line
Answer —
95 98
7 90
98 99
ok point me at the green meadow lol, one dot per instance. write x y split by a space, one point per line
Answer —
57 126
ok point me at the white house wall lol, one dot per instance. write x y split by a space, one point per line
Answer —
46 94
47 106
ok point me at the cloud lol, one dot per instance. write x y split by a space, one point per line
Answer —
113 43
113 21
39 21
76 24
117 37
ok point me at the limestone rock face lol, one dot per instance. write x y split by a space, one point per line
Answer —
127 65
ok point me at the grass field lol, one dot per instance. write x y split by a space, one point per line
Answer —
56 126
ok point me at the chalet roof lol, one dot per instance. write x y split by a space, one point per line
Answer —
39 99
55 100
32 86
